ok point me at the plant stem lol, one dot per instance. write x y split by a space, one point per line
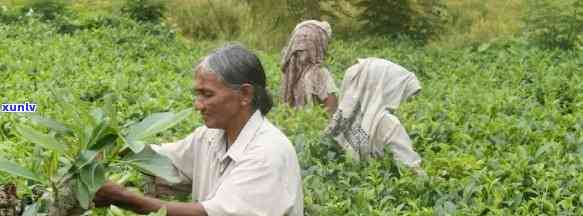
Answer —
55 195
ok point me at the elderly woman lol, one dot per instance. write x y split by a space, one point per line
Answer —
305 79
238 163
364 124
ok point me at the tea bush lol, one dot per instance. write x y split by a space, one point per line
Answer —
47 10
144 10
420 20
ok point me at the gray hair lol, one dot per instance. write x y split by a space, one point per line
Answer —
235 66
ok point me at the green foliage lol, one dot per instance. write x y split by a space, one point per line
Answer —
6 15
304 9
47 9
472 23
419 20
83 129
555 24
149 162
39 138
386 16
152 125
144 10
97 136
270 22
208 19
265 24
17 170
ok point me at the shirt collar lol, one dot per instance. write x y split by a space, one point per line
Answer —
247 134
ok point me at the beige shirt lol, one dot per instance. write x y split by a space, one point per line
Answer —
258 175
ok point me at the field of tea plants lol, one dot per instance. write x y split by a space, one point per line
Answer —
499 127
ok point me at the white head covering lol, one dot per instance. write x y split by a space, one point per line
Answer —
371 90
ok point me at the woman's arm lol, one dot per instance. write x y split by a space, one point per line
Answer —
115 194
331 103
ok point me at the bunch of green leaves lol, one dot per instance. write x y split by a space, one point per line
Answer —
78 153
416 19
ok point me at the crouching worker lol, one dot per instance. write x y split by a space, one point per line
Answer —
238 163
364 124
305 80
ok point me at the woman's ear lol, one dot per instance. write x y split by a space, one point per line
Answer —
247 92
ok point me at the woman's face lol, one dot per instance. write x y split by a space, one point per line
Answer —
217 103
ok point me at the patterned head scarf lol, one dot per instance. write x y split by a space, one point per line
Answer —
370 88
305 53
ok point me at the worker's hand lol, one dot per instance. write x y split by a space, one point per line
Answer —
110 193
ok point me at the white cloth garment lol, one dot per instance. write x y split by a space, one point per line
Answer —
258 176
363 124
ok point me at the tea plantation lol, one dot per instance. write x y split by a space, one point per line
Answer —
499 126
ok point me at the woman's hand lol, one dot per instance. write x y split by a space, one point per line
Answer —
110 193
